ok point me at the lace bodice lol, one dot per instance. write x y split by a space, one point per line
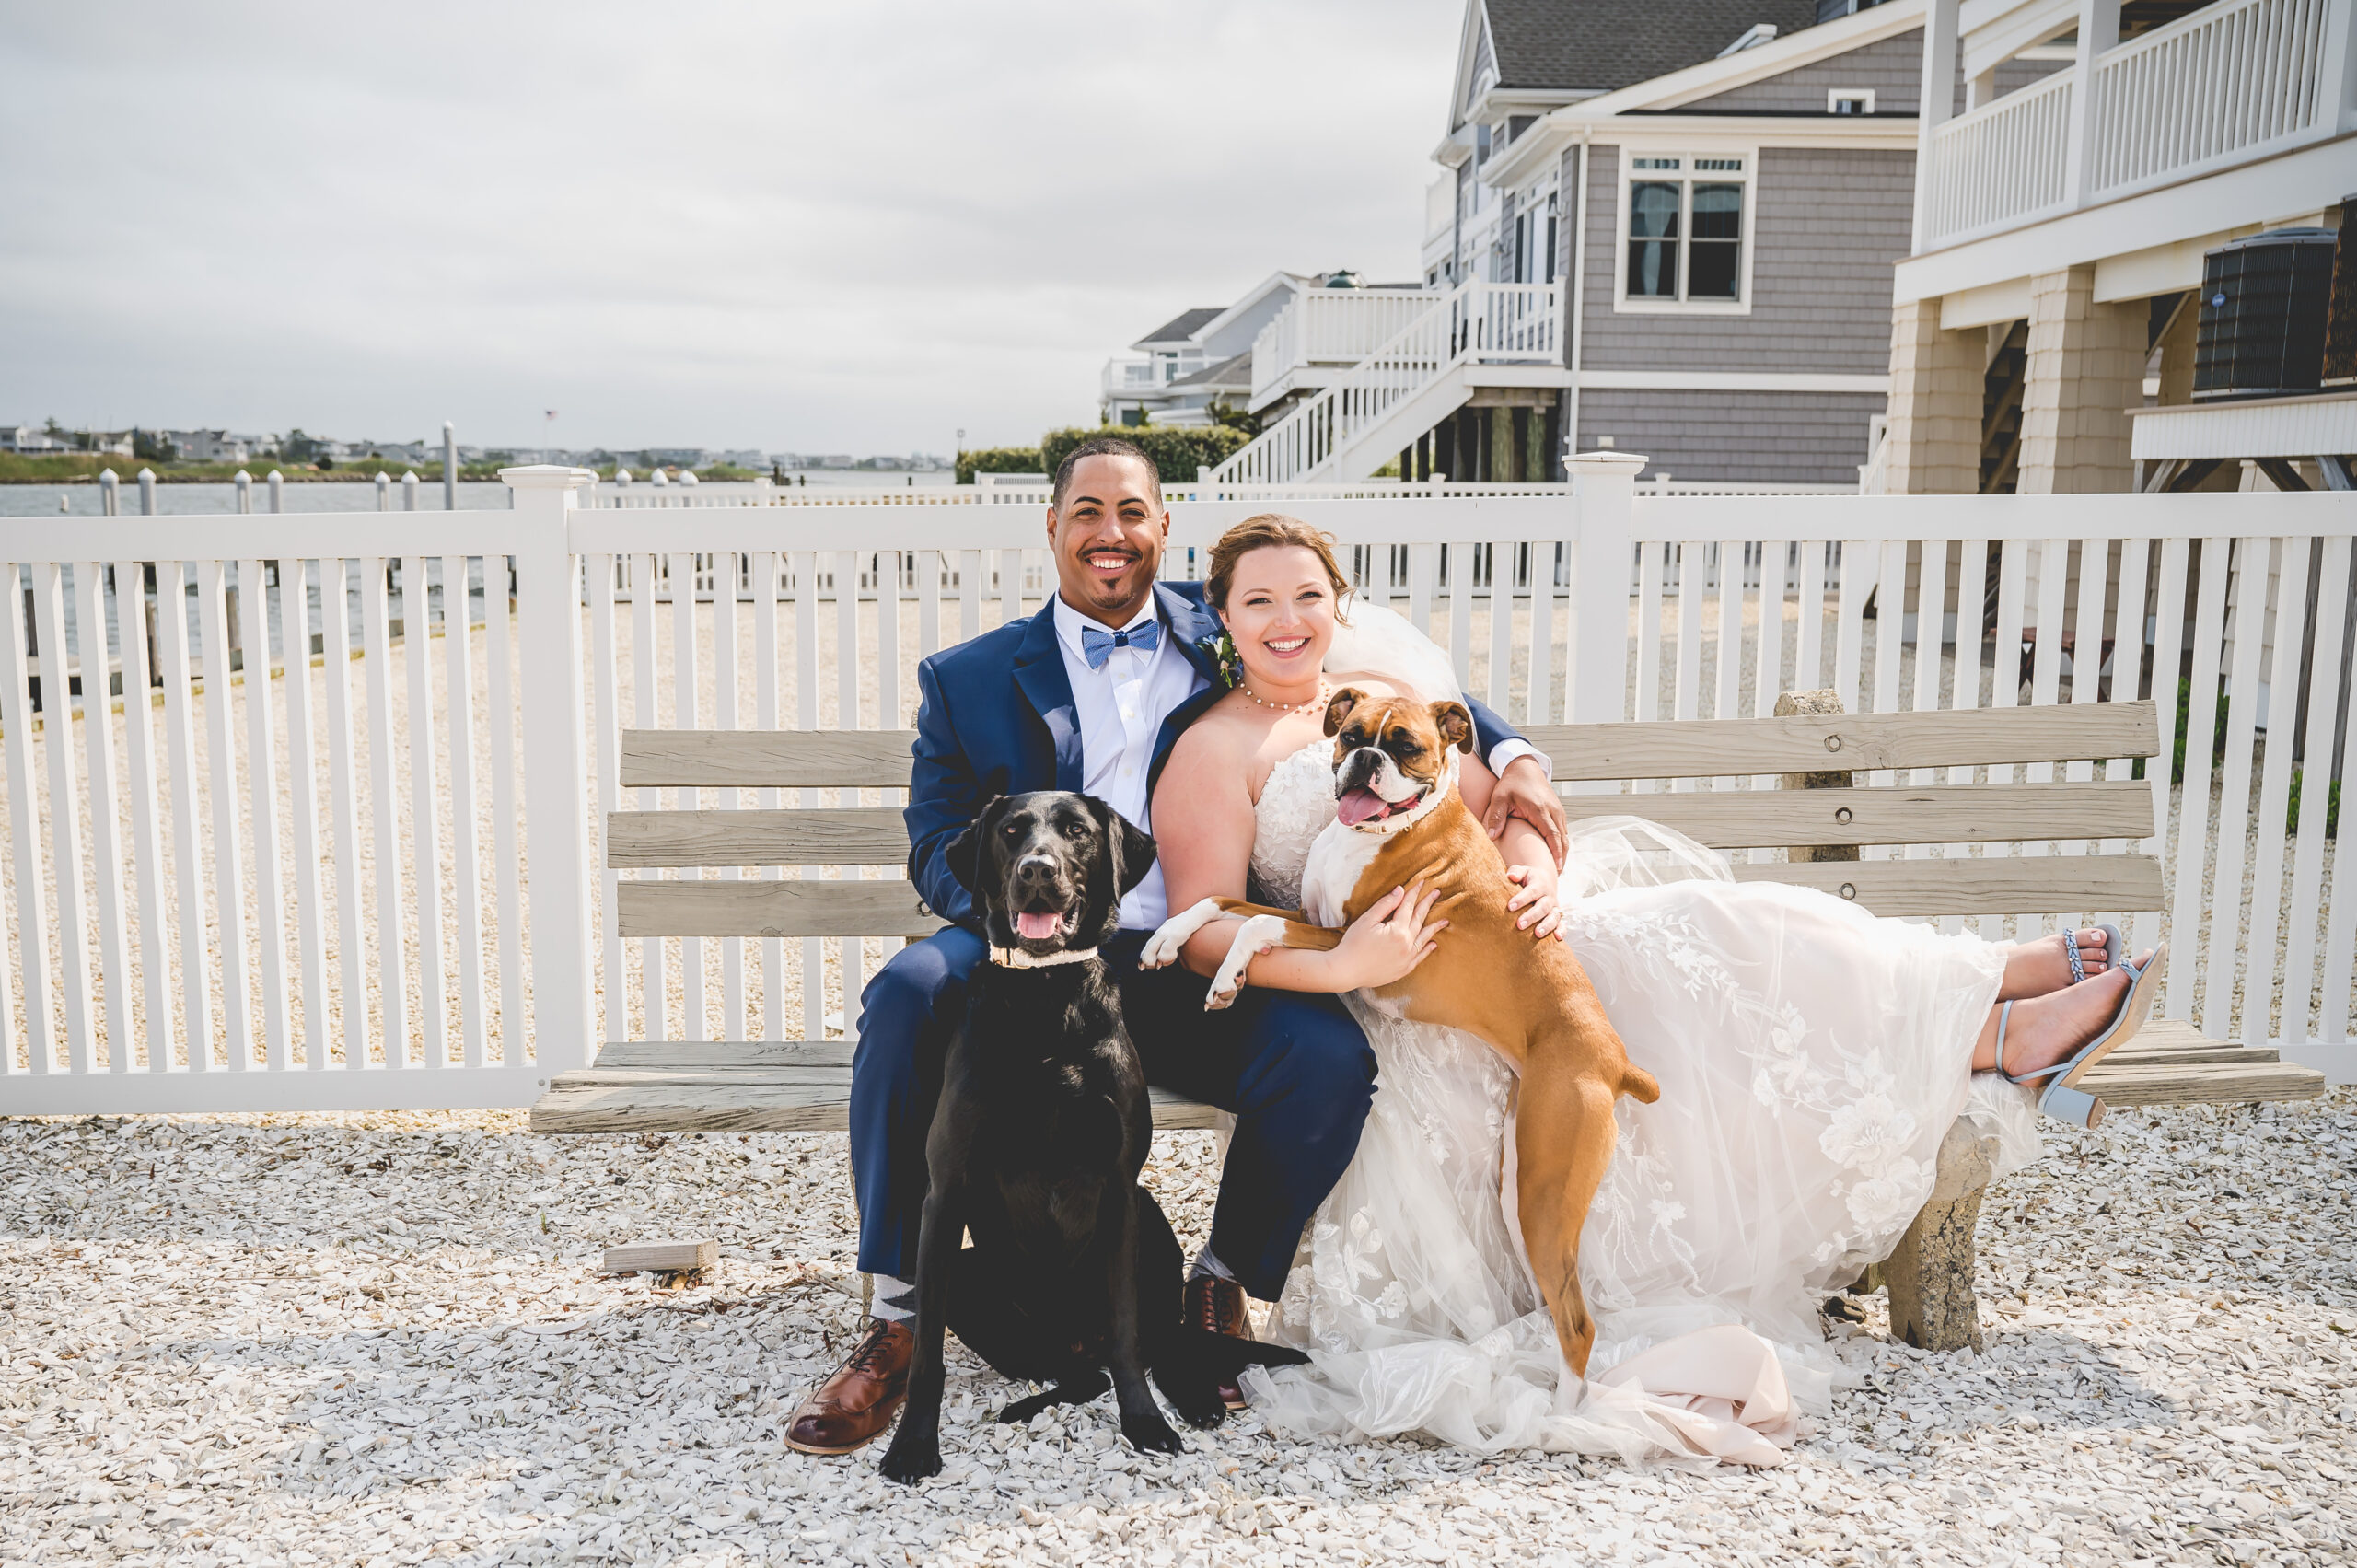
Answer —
1295 805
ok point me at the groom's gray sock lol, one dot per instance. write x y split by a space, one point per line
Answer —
1207 1262
883 1298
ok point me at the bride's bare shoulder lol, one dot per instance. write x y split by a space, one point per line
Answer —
1220 739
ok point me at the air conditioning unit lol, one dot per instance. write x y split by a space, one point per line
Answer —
2340 319
2263 306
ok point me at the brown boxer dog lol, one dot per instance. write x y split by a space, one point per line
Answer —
1400 823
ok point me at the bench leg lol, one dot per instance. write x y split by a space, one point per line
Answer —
1929 1274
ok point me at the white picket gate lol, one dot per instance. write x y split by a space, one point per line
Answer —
228 915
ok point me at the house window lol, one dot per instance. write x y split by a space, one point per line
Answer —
1685 238
1850 101
1534 241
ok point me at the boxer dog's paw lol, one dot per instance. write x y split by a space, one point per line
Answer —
1161 949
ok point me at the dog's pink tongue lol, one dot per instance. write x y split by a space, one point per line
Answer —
1040 925
1358 804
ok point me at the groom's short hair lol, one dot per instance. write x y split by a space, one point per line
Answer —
1104 447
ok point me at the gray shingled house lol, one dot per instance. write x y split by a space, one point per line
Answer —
1700 203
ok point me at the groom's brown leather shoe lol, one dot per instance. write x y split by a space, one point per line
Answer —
1217 1304
856 1405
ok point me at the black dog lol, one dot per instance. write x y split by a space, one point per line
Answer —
1036 1144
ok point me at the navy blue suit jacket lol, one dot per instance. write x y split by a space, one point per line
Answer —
981 734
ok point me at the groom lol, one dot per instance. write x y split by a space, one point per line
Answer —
1089 695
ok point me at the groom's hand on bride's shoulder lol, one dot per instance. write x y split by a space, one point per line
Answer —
1524 790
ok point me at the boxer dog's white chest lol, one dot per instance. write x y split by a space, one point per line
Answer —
1337 859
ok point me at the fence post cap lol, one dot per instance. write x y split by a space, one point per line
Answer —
1605 463
147 474
547 476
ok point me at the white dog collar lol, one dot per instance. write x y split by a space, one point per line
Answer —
1016 958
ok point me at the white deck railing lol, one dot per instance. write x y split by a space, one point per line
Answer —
1334 328
2002 163
1486 323
2229 84
372 883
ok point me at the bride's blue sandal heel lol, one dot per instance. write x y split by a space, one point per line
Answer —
2063 1100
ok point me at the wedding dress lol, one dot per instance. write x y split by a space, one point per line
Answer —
1810 1059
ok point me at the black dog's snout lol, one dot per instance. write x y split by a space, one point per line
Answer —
1038 871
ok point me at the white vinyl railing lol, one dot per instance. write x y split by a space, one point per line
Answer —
1488 323
359 872
2231 82
2002 163
2224 84
1330 327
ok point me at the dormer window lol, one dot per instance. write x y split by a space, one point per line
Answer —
1850 101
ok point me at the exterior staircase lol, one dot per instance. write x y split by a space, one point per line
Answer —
1478 334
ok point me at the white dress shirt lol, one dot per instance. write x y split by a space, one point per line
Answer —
1120 709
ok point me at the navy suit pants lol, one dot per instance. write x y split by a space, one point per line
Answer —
1294 1067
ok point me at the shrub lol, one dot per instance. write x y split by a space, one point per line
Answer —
1176 451
999 459
2218 738
2331 807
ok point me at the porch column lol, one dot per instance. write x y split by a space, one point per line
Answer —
2098 34
1938 104
1932 439
2086 369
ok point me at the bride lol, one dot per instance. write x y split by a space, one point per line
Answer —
1811 1058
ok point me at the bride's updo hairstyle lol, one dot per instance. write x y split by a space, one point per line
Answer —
1271 530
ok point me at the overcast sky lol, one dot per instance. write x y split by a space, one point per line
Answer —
847 228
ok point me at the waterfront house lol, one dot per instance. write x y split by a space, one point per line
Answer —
2052 284
1202 358
1665 230
31 439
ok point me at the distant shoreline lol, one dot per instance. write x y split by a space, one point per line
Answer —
82 468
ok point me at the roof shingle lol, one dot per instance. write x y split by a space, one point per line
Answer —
1604 45
1184 326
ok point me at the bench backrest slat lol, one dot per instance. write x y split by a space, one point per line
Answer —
1935 814
766 759
2063 884
845 835
875 835
772 909
879 759
1944 739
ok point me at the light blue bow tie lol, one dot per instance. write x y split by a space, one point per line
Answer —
1097 647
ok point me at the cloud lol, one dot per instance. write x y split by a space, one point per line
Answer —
794 226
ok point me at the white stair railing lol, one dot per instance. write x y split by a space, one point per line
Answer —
1476 322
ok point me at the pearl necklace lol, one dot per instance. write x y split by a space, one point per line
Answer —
1286 707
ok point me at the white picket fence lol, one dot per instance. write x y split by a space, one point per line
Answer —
378 882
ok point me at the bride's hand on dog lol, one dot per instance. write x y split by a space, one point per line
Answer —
1390 939
1538 912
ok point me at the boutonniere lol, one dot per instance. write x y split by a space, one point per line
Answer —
1221 651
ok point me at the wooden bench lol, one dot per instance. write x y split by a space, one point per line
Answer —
804 1086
